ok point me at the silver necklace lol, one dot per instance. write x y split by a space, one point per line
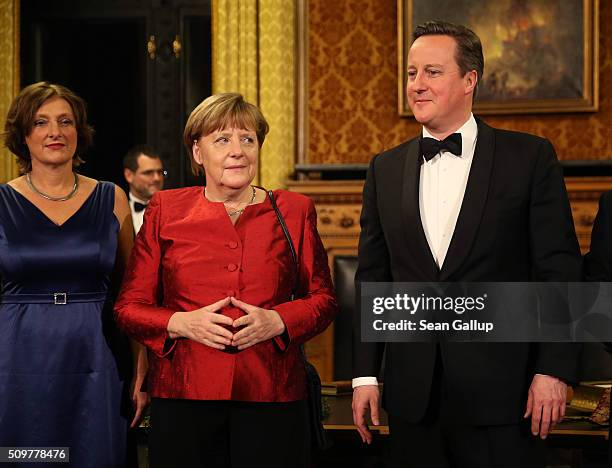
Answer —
72 193
239 212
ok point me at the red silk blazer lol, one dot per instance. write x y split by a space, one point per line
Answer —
188 255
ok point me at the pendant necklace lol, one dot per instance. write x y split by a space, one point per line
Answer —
239 212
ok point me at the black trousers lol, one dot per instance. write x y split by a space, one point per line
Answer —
228 434
438 445
438 441
610 439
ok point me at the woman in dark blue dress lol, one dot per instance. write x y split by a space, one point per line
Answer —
64 239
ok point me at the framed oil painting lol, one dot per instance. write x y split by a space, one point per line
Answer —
540 57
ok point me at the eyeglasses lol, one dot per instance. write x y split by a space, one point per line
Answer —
151 172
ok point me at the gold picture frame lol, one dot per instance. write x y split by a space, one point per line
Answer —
531 64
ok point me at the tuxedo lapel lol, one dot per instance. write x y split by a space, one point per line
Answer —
473 203
413 227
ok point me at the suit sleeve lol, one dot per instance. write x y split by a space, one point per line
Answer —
555 253
316 307
137 310
598 262
373 266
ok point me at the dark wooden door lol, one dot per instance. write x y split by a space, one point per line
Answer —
99 50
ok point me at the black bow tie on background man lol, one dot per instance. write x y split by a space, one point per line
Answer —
430 146
138 207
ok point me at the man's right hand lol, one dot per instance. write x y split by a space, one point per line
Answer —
203 325
366 400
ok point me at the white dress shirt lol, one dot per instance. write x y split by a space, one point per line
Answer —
137 218
441 190
442 186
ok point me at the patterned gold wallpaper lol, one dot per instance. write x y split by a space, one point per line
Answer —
352 90
9 77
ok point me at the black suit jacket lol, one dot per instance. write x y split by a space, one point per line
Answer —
598 262
515 224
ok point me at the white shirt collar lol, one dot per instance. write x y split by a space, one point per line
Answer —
136 199
468 131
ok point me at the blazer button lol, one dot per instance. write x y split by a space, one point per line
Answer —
232 267
232 244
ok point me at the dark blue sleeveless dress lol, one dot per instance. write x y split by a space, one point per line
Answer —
60 381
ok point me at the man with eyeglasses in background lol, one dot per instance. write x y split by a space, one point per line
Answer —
144 172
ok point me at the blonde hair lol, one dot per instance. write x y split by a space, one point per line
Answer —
221 111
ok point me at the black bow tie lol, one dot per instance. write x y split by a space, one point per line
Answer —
430 146
138 207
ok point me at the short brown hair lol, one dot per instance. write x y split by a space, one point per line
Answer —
220 111
130 160
469 48
20 120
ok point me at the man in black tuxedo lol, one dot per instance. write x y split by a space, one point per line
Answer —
465 202
144 172
598 262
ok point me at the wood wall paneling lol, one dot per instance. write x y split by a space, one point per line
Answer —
339 207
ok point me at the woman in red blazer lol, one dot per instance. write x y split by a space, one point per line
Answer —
208 290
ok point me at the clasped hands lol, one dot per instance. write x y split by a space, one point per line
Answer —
207 326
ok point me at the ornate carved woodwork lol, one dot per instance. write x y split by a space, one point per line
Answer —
339 206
